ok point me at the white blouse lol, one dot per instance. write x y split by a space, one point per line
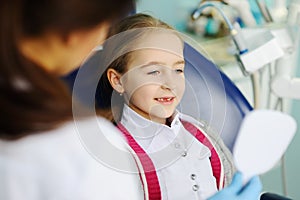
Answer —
54 165
182 162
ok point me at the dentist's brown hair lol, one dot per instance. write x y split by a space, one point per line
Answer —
31 99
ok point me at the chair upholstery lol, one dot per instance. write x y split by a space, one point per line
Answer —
211 96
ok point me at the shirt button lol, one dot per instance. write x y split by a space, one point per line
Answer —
195 187
193 176
184 153
177 145
176 122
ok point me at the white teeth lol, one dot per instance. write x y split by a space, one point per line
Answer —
164 99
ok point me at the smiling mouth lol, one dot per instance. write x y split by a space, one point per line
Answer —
165 99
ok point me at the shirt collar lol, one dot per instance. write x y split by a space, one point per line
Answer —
144 130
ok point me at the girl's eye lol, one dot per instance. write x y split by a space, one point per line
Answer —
155 72
179 71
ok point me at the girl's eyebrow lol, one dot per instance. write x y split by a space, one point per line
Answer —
161 63
180 62
152 63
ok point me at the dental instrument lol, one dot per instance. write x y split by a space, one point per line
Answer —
264 11
234 32
243 8
279 10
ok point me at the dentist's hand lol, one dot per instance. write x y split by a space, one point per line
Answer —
236 190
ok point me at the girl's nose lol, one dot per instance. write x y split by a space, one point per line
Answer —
169 82
166 87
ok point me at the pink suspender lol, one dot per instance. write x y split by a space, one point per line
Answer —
148 166
214 159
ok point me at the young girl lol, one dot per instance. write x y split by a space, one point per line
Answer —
178 157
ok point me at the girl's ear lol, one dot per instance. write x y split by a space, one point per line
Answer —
115 80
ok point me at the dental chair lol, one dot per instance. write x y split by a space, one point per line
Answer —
212 97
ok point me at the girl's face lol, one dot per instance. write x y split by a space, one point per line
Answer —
154 83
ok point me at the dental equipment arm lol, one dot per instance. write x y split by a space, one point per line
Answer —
283 84
263 50
279 10
236 37
244 10
286 87
264 11
240 45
